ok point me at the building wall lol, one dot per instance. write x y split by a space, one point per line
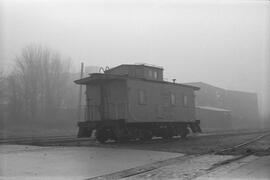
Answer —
244 108
158 106
243 105
210 96
214 120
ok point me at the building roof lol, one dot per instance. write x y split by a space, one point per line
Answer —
201 84
213 108
98 76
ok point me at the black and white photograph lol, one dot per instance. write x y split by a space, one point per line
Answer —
135 89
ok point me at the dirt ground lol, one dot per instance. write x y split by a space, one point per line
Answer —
20 132
250 162
258 148
118 159
24 162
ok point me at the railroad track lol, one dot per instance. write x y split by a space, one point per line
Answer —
67 139
233 148
145 168
10 139
153 166
37 140
176 138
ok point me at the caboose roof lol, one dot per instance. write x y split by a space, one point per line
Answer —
105 77
137 65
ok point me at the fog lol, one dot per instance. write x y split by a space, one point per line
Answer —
223 43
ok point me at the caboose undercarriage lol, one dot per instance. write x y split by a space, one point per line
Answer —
120 130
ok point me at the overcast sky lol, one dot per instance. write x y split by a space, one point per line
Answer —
224 43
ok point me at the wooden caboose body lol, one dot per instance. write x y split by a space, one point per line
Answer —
133 101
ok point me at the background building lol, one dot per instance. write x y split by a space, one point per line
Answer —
214 119
243 106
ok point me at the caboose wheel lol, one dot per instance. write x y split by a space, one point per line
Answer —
167 133
146 135
84 132
122 139
81 132
167 136
102 135
184 132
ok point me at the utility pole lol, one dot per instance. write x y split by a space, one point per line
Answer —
80 94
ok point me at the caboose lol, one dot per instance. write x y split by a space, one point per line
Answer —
134 102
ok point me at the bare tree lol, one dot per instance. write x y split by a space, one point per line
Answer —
38 83
2 81
3 90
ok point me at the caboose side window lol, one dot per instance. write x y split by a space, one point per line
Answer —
172 99
155 74
142 97
185 100
150 74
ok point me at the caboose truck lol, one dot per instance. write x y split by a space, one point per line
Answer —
133 101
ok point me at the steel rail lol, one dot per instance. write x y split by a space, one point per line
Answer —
243 144
63 139
43 139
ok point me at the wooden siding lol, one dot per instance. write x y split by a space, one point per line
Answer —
138 71
92 102
152 69
115 101
158 107
140 101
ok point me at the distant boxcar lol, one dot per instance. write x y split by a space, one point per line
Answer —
133 101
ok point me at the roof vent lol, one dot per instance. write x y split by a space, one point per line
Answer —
101 69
